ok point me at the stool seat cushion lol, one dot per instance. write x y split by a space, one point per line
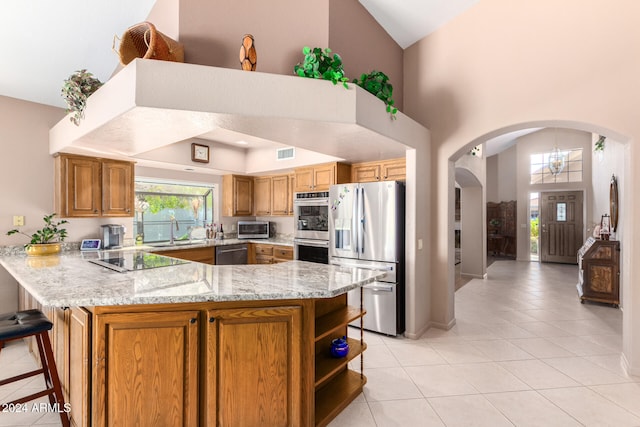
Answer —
23 323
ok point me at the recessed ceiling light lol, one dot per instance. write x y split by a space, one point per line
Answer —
241 142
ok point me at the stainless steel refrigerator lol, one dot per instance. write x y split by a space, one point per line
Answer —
366 229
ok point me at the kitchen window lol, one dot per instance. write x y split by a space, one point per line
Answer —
162 205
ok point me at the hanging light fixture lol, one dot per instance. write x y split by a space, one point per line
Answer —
556 158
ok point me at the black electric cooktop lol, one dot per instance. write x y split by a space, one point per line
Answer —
134 261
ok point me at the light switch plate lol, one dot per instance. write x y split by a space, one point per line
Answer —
18 220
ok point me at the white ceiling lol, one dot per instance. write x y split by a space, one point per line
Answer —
45 41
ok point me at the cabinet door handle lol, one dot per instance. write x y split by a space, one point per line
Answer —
212 319
385 177
193 320
95 211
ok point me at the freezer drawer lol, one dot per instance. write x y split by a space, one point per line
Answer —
380 302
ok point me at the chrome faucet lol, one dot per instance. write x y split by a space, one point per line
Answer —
172 220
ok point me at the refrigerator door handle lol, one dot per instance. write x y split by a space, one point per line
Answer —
364 267
354 221
361 215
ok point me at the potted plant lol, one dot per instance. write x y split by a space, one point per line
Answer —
377 83
47 240
320 64
75 91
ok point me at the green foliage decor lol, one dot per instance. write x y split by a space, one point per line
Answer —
319 63
599 144
50 233
377 83
75 91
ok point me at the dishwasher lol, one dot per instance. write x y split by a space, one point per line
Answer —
232 254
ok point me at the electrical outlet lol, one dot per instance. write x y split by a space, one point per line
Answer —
419 244
18 220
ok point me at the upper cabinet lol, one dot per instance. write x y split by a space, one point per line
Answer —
262 196
386 170
281 195
237 195
321 177
92 187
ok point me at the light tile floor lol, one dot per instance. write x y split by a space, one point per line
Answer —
524 352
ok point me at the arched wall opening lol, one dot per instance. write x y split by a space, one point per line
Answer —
626 196
472 234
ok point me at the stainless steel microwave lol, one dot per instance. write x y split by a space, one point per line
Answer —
253 229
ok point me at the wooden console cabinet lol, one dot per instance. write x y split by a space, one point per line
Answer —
599 271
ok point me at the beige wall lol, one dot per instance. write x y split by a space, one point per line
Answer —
212 31
364 45
501 67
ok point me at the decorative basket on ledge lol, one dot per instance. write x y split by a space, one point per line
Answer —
143 40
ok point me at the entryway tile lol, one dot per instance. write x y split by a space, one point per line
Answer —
538 375
389 384
584 371
490 378
530 409
465 411
590 408
625 395
440 380
499 350
404 413
541 347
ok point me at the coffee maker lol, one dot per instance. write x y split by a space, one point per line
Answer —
112 236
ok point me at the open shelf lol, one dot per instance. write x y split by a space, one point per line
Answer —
327 366
337 395
328 323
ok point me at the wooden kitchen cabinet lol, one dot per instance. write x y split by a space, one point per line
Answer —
387 170
281 195
321 177
146 369
254 367
237 195
262 195
93 187
599 271
264 253
205 255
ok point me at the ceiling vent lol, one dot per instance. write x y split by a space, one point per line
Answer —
285 153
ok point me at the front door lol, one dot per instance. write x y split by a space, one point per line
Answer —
560 226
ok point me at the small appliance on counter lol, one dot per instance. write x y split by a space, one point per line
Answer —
112 236
254 230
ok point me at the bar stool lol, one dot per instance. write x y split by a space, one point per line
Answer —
23 324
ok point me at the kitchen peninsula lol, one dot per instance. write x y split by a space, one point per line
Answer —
195 344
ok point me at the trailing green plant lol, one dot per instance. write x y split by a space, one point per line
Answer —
599 144
377 83
50 233
320 64
75 91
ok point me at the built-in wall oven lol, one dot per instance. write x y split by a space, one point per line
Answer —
311 216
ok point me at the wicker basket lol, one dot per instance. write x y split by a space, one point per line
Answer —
144 41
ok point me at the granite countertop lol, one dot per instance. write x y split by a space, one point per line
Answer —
69 279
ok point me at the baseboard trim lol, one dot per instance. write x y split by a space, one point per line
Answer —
627 367
437 325
475 276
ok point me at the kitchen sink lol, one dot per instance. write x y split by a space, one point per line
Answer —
174 244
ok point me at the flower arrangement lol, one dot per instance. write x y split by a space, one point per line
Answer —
75 91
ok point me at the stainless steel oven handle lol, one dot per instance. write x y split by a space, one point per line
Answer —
311 202
313 243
